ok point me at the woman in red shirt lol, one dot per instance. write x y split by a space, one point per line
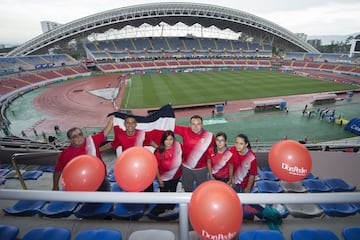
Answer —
243 165
218 159
169 157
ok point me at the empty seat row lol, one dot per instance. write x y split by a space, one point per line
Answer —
57 209
8 232
306 185
349 233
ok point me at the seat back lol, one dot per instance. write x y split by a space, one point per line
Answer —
261 234
46 233
152 234
313 233
25 208
8 232
351 233
338 185
95 234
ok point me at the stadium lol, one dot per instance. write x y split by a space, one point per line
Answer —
241 72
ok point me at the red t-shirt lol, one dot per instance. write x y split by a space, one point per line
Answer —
244 166
71 151
122 139
169 162
195 146
220 162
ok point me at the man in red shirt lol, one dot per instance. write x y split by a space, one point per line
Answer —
130 137
196 142
79 145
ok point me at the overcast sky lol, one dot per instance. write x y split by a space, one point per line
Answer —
20 19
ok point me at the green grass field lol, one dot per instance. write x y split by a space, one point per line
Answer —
154 90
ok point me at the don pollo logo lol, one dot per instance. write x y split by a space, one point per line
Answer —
294 170
219 236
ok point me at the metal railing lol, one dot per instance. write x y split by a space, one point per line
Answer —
183 199
16 156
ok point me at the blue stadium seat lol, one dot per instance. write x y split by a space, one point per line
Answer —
293 187
46 233
261 234
58 209
166 216
268 175
5 166
266 186
8 232
338 185
313 233
32 175
357 206
351 233
116 188
128 211
94 210
4 171
311 176
25 208
304 210
46 168
111 175
315 185
152 234
111 178
338 209
96 234
2 181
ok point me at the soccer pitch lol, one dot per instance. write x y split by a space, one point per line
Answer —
155 90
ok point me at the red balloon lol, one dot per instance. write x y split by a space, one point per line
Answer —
135 169
215 211
290 161
83 173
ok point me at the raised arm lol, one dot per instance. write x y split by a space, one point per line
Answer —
109 125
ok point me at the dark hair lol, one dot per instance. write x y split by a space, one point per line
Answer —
246 139
130 116
71 130
167 133
196 116
218 135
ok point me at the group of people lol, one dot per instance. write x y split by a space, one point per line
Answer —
201 155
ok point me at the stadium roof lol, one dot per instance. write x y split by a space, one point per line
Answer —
171 13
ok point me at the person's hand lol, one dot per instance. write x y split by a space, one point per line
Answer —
247 190
212 177
55 188
229 183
